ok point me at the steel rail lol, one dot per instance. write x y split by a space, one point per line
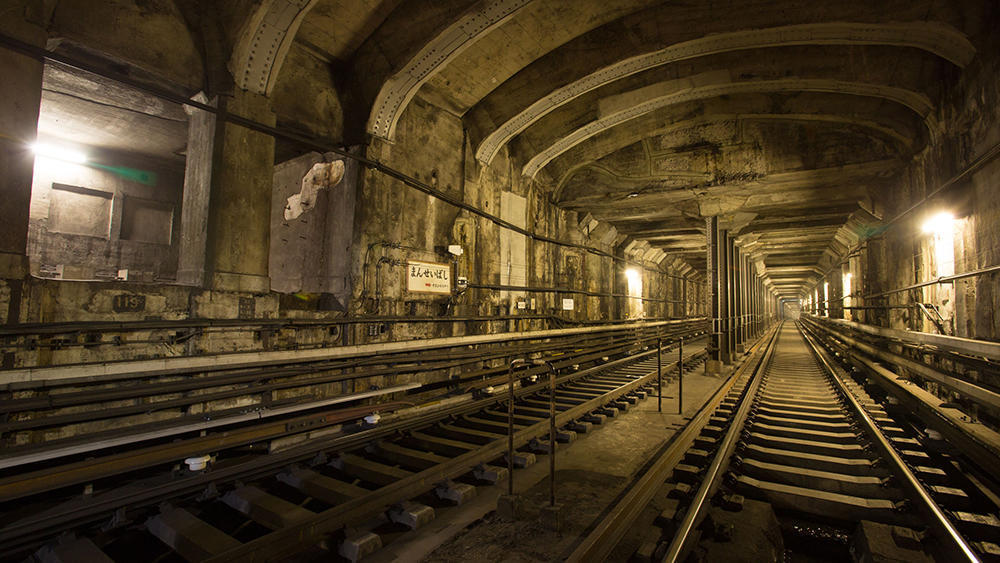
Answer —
282 542
598 545
956 344
102 440
29 530
283 377
968 389
530 289
40 481
976 442
114 370
255 433
952 539
76 327
710 481
227 376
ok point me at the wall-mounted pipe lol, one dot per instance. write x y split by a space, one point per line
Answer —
566 290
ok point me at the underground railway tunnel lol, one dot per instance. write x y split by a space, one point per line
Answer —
510 280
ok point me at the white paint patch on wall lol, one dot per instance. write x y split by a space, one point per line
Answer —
322 175
513 246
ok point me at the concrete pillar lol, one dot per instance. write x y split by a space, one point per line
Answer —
239 212
22 96
686 312
336 266
197 189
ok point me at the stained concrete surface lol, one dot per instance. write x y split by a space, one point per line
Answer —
590 475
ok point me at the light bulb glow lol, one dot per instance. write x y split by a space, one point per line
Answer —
59 153
939 224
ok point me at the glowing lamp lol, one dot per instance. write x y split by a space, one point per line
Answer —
939 224
58 153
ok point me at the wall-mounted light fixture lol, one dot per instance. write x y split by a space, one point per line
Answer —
939 224
58 152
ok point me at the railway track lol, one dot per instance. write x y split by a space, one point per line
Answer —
345 493
797 462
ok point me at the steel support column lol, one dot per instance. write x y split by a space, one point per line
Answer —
729 259
716 291
737 268
748 292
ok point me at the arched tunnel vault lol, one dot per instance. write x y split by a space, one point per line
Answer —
775 174
692 123
638 112
854 72
787 118
938 39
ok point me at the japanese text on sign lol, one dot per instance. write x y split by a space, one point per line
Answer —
428 277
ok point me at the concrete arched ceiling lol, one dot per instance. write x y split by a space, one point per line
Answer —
852 72
663 95
599 99
693 123
941 40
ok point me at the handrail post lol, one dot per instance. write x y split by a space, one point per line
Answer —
659 376
680 376
510 424
508 506
552 429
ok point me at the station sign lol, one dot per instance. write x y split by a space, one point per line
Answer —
428 277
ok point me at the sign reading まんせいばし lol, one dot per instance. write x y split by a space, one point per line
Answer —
428 277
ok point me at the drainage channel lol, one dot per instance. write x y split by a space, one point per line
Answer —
799 463
352 500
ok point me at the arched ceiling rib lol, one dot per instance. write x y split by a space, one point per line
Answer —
586 157
690 124
619 110
941 40
398 89
498 37
258 56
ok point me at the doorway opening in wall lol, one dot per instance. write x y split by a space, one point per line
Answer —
634 278
107 182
